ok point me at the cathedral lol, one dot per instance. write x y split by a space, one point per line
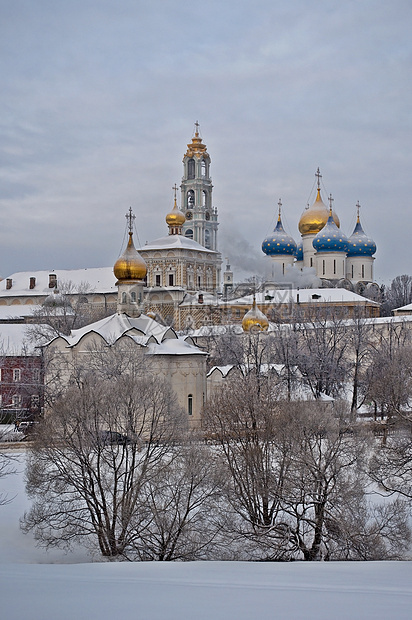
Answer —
337 260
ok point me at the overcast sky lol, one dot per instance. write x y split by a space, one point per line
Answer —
98 100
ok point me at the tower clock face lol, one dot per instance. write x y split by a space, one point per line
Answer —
189 215
207 215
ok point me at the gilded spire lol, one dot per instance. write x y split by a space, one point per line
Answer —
175 219
130 265
196 148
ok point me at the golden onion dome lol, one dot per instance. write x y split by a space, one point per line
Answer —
254 320
175 217
130 265
315 217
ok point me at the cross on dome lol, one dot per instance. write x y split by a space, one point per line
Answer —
319 176
330 203
130 217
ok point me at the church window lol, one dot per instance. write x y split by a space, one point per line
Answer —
323 267
190 199
190 404
352 271
199 281
207 239
204 198
171 279
311 261
334 266
204 168
191 169
189 233
133 296
363 271
124 298
157 281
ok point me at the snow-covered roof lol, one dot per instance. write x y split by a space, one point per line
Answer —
18 311
175 242
94 280
14 340
407 308
143 330
177 346
306 295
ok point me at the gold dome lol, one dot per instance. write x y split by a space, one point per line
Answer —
254 320
315 217
130 265
175 217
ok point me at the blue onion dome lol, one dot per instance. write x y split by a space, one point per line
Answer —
359 244
330 238
299 251
279 242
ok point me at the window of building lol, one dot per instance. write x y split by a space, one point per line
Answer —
334 266
311 261
36 374
16 400
352 271
204 168
171 279
190 404
323 267
124 298
190 199
35 401
16 374
157 279
133 296
207 239
189 233
1 378
191 169
199 281
363 271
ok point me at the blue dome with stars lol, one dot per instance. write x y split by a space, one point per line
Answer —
279 242
330 238
299 251
359 244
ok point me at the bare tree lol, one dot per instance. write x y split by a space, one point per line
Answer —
107 436
64 309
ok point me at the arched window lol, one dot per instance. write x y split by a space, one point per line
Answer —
133 296
189 233
191 169
204 198
363 271
190 404
124 298
190 199
204 168
207 239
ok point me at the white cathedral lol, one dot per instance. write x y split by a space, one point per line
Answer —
336 259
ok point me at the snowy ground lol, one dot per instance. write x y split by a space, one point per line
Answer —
53 586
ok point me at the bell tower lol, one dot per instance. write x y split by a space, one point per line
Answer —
201 217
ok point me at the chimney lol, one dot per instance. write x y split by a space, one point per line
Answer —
32 283
52 280
9 283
